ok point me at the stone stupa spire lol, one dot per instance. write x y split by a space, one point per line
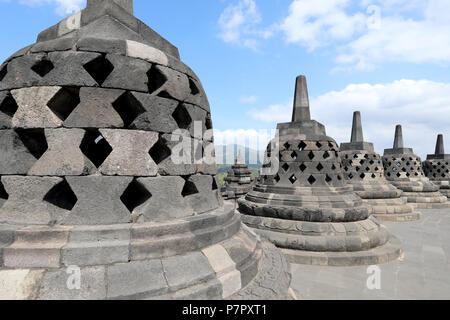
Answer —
398 139
439 145
301 110
357 131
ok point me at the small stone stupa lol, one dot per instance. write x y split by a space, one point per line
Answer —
437 167
239 180
403 169
305 207
363 168
92 197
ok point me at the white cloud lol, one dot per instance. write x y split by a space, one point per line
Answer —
238 24
314 23
420 105
379 31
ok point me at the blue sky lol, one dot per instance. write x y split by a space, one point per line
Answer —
387 58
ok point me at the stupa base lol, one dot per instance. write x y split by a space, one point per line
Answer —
211 256
426 198
328 243
380 255
445 192
445 205
402 217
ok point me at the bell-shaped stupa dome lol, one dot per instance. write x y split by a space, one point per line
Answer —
303 203
437 167
106 164
363 168
403 169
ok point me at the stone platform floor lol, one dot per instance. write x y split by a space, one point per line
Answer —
423 271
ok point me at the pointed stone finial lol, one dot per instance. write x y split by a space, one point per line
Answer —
440 145
240 159
357 132
398 141
301 101
127 5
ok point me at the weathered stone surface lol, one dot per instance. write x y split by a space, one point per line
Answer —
105 26
62 44
158 114
7 109
166 202
130 155
7 233
25 204
97 245
187 270
54 285
69 69
63 157
102 45
197 95
33 111
98 200
15 158
136 279
142 51
225 269
95 110
176 84
128 73
180 162
21 284
19 73
36 247
206 199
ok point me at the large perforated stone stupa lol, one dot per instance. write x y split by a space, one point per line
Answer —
306 207
239 179
437 167
363 168
403 169
87 117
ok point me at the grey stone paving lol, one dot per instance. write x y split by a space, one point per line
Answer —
423 272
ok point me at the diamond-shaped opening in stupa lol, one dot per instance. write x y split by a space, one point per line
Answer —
95 147
135 195
99 69
128 108
34 140
64 102
62 196
43 67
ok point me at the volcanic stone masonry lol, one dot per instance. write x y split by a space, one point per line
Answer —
239 180
363 168
403 169
437 167
87 116
306 208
